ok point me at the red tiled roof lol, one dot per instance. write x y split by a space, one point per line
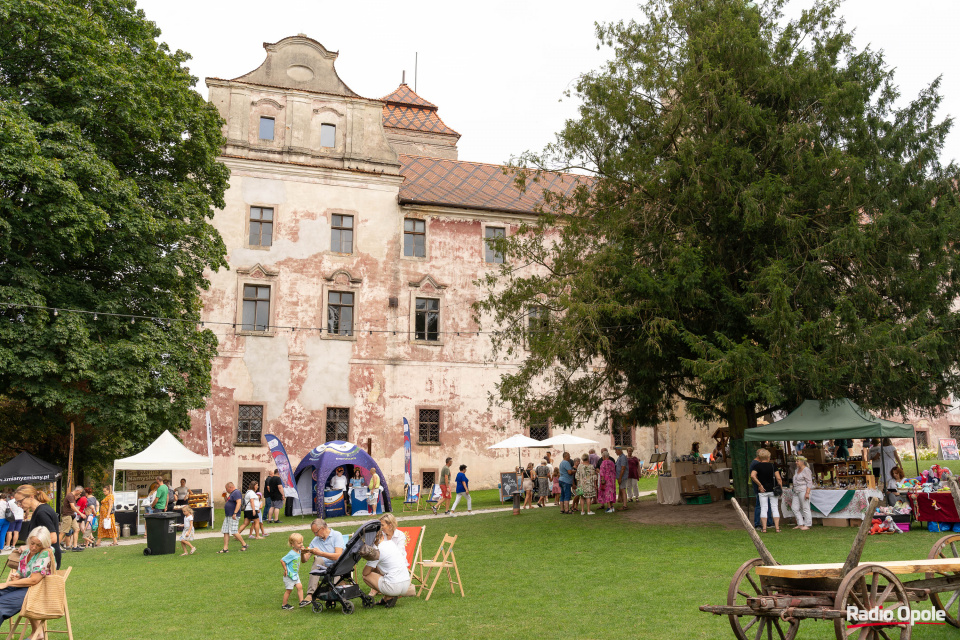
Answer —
415 119
473 185
404 95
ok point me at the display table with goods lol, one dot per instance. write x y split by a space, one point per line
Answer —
694 481
832 503
854 472
202 510
668 490
932 507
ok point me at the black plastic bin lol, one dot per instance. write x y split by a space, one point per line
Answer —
161 533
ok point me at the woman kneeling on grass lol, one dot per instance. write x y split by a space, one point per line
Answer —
33 567
387 573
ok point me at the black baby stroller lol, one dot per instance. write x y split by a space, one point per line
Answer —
336 581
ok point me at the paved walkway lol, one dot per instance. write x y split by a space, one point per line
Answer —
204 534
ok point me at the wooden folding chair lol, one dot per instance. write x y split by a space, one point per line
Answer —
54 603
412 497
447 561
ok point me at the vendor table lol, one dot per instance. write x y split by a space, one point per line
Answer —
719 478
127 517
832 503
200 514
933 507
668 490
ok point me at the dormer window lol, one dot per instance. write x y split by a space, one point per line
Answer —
328 135
266 128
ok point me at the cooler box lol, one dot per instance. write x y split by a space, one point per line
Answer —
161 533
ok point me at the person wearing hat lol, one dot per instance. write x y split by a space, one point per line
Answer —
802 485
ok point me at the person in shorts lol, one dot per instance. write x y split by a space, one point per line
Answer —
231 512
444 489
291 571
275 494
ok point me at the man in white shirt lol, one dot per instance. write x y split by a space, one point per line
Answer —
338 482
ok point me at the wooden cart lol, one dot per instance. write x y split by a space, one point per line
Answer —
769 600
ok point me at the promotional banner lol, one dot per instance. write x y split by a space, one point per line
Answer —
209 439
408 460
283 465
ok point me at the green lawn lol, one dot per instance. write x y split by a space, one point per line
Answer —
539 575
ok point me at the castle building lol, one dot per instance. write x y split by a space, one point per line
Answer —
355 235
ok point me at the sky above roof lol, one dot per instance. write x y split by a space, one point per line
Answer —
498 70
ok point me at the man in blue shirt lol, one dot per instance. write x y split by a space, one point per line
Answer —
326 547
566 483
231 513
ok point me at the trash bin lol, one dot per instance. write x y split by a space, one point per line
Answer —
161 533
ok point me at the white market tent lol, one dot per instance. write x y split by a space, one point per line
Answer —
166 452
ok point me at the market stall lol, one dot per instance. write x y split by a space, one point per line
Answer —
839 504
168 453
316 468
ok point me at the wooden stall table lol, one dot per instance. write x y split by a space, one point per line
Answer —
933 507
668 490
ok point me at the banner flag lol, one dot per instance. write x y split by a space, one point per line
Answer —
283 465
408 459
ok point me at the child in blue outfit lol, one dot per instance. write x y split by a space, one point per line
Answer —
463 487
291 571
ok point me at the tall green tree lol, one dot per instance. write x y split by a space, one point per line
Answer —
766 225
108 178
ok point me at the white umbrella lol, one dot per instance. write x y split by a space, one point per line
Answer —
518 442
567 438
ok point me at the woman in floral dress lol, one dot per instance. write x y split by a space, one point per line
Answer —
586 484
106 506
32 568
608 482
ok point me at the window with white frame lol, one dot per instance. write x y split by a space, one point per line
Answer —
256 308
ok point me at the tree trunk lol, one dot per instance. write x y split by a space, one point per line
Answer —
741 418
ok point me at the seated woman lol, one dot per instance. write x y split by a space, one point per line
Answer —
33 567
388 574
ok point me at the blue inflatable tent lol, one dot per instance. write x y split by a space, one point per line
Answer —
316 468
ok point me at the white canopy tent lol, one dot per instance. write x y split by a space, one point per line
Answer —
166 452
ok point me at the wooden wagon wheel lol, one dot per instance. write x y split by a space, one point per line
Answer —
948 548
871 586
746 584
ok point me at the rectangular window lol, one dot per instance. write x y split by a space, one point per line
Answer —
340 313
427 319
249 423
539 428
261 226
955 432
256 308
538 320
429 426
427 480
328 135
247 478
492 255
414 238
622 434
922 441
341 234
266 128
338 424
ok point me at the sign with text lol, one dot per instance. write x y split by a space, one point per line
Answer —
509 485
948 449
140 481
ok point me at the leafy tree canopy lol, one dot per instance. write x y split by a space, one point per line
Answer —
108 176
766 225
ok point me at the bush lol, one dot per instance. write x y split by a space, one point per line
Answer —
924 454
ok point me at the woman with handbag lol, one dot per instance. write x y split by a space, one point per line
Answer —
108 521
768 480
32 568
586 484
802 486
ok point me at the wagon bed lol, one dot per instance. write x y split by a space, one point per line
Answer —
767 599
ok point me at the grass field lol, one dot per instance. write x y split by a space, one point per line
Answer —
537 575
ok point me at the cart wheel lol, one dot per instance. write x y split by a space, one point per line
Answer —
871 586
347 607
746 584
147 551
947 601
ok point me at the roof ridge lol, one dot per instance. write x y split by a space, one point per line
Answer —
276 86
424 103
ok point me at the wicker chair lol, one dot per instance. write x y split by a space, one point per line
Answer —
46 600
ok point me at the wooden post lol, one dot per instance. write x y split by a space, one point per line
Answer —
857 550
765 555
70 462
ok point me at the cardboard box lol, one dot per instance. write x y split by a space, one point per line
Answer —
716 493
703 467
838 522
689 484
681 469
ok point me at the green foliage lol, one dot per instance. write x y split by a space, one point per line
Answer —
764 226
108 176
